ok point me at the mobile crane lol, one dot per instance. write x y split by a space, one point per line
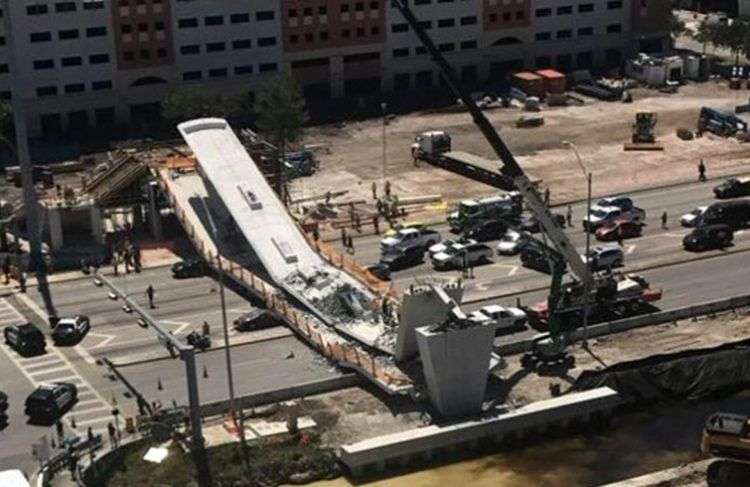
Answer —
565 301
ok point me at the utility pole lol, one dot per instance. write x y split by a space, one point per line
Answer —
227 350
31 208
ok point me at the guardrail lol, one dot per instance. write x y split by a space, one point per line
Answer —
384 375
649 319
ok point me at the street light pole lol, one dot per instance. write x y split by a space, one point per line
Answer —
31 210
227 350
384 108
586 290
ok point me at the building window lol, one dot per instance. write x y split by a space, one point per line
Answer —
99 58
145 54
192 75
75 88
62 7
324 35
395 28
101 85
243 70
93 5
585 7
191 49
472 20
564 34
614 5
126 29
266 67
161 53
566 10
239 18
264 15
4 68
443 23
420 51
128 55
44 64
266 41
71 61
242 44
68 34
614 28
585 31
187 23
402 52
217 73
543 36
36 9
39 37
543 12
447 47
46 91
216 47
294 39
104 116
159 26
96 32
468 45
214 20
346 33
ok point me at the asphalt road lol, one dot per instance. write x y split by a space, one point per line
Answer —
505 275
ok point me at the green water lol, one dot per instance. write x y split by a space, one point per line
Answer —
661 437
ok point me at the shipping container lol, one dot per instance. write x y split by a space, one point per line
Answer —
529 83
554 81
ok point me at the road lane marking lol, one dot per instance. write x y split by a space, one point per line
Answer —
630 249
181 325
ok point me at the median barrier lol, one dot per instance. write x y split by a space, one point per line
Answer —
523 346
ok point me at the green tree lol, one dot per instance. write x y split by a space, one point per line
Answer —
280 108
704 34
190 103
731 36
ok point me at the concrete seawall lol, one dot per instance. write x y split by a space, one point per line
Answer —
397 450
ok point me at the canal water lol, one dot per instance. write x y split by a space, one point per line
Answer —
637 443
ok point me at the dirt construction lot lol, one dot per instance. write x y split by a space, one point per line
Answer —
598 129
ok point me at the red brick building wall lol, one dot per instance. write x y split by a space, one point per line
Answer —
320 24
506 14
143 33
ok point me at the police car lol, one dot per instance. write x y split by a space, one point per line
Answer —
71 330
51 400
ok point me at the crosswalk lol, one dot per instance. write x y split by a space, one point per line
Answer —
91 410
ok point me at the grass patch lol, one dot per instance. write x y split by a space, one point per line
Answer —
266 463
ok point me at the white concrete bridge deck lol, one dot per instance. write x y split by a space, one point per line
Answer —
276 239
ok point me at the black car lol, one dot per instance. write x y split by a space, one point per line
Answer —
52 400
380 270
71 330
735 214
3 403
189 268
487 230
534 257
25 339
403 259
257 319
708 237
732 188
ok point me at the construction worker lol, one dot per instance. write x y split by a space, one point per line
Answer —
569 216
664 220
702 171
374 188
351 244
546 196
343 236
137 258
206 328
112 435
22 281
316 233
387 188
357 222
6 269
150 296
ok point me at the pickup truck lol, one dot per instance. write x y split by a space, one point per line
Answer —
409 237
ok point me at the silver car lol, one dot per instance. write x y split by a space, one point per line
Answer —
601 257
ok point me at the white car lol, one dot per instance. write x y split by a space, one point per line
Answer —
688 219
511 243
410 237
501 317
446 244
460 255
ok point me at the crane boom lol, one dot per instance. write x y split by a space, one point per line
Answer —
510 167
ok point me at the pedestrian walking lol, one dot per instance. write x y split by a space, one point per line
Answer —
206 328
6 269
137 258
569 216
546 196
343 236
664 220
374 190
150 296
387 188
701 171
328 198
357 222
115 263
351 244
112 435
376 224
